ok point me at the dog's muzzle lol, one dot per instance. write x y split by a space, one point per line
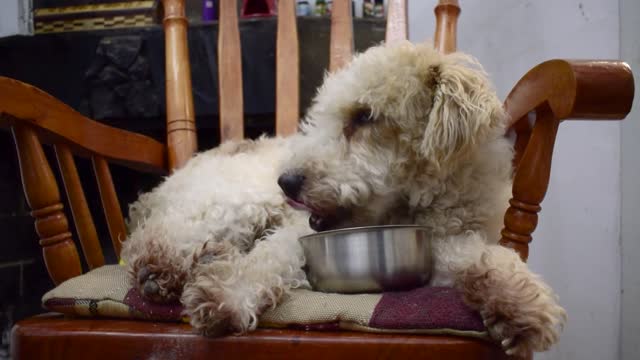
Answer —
291 184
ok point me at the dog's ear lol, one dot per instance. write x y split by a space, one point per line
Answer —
465 111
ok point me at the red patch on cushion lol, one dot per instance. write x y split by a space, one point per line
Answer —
425 308
155 311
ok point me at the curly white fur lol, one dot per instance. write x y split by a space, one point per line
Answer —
401 135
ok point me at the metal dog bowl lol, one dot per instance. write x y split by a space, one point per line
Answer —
368 259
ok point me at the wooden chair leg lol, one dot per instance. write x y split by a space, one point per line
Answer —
43 196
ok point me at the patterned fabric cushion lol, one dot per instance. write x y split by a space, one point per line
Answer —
105 292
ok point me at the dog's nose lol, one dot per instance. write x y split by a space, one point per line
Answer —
291 184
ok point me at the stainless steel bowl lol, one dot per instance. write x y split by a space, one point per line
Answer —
368 259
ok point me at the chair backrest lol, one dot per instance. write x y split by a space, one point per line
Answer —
78 134
181 138
35 116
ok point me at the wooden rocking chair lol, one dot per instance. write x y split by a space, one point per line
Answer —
551 92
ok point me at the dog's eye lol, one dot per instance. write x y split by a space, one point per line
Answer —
359 118
362 117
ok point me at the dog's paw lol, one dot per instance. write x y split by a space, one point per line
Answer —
159 283
209 252
521 330
216 317
214 310
158 272
217 299
520 311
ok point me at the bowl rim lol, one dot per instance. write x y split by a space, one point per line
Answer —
361 229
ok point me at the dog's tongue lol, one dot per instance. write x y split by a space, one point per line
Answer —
298 205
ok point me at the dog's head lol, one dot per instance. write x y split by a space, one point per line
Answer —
395 115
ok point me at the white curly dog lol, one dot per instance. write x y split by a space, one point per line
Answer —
402 135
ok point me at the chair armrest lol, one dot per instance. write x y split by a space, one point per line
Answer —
553 91
574 89
54 121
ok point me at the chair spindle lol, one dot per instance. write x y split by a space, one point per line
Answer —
181 127
230 73
447 12
530 183
82 218
287 70
522 131
43 196
341 44
396 21
110 204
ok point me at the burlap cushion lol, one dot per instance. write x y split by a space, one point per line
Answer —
432 310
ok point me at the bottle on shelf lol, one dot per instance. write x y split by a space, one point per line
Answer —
258 8
209 10
378 9
367 8
321 8
303 8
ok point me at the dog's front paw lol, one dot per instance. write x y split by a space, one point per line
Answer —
521 332
158 272
523 316
214 309
526 327
159 283
519 310
211 315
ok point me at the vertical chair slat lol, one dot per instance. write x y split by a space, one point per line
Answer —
287 70
110 204
341 45
447 12
78 203
530 183
42 193
230 73
396 21
181 127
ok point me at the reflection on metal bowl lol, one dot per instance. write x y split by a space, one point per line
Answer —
368 259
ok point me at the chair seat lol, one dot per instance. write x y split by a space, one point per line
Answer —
52 336
105 292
